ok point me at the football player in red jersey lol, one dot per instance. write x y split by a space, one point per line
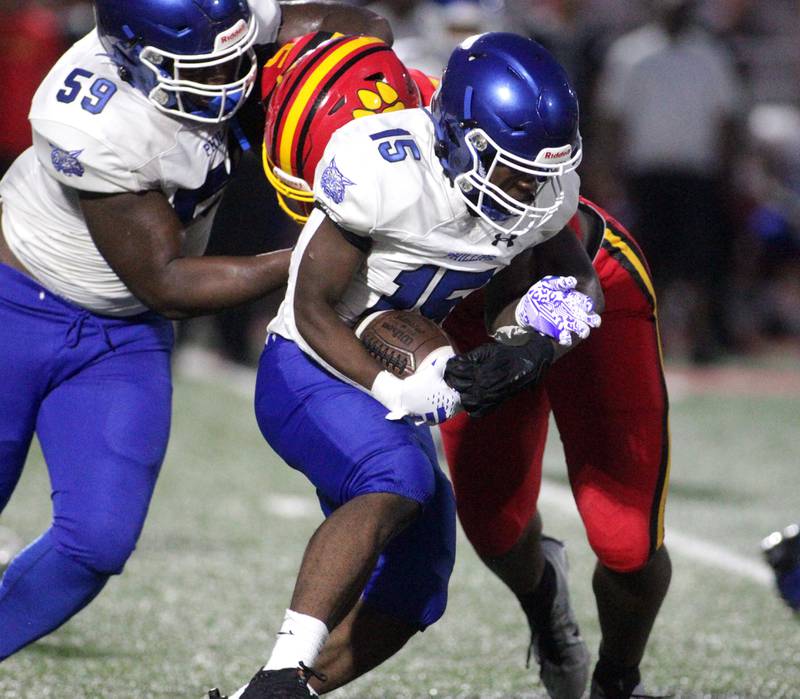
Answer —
609 400
608 397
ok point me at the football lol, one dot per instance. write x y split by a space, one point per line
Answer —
400 340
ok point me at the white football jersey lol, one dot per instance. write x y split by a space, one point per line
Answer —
96 133
380 180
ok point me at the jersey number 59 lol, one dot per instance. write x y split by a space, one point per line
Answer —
100 91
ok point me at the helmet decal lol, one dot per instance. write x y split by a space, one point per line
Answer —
341 79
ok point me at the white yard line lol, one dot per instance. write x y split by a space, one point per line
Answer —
201 365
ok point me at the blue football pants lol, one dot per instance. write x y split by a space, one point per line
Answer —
339 438
97 392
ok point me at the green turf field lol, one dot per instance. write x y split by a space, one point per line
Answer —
202 597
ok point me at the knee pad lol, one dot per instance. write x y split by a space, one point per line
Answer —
493 533
101 544
624 550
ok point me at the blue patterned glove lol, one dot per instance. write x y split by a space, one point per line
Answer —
553 307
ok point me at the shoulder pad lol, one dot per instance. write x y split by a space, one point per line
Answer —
80 161
345 180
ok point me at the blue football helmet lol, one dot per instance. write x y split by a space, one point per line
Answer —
191 58
504 100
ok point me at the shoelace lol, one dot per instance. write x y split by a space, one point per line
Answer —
309 672
557 634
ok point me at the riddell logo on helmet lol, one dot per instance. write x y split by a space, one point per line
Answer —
555 154
232 36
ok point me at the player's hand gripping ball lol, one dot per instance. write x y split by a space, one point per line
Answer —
400 340
414 351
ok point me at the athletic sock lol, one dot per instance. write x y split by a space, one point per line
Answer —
300 640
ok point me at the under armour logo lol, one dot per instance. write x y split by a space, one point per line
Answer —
506 238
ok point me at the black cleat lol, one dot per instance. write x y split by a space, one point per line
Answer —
214 694
638 692
782 552
289 683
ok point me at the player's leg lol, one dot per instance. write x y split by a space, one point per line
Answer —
24 378
609 400
26 337
495 465
496 498
103 432
377 481
406 593
343 658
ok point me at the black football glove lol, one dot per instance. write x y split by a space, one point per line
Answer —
487 375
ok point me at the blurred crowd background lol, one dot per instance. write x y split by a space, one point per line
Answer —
690 113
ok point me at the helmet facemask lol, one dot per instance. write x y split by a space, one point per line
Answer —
230 71
295 196
498 208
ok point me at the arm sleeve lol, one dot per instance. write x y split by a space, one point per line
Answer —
82 162
345 186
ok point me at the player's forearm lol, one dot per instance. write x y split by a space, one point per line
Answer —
190 286
335 342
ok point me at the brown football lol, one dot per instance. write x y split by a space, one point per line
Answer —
400 340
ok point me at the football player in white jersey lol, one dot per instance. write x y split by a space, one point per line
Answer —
617 457
413 211
103 222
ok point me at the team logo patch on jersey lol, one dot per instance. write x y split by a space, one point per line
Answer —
334 182
66 161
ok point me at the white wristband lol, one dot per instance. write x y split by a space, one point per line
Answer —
386 388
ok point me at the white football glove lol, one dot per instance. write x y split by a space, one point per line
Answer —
424 395
553 307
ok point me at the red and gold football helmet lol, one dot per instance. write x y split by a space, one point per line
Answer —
312 87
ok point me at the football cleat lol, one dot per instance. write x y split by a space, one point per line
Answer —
560 650
782 552
289 683
638 692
